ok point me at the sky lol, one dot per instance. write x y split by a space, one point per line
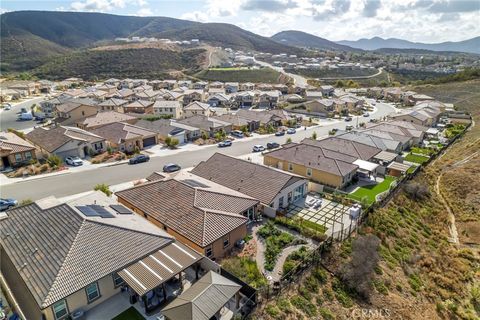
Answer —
415 20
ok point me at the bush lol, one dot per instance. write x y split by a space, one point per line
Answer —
320 274
416 191
204 135
25 202
358 272
44 167
284 305
304 305
272 310
172 143
54 161
104 188
326 314
245 269
275 240
314 135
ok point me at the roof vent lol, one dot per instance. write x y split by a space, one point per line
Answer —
23 265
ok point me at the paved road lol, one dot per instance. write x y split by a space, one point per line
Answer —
76 182
379 72
297 79
8 118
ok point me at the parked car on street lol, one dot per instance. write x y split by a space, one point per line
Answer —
171 167
291 131
280 133
258 148
349 128
23 110
225 143
347 119
7 204
366 114
73 161
272 145
7 106
139 159
25 116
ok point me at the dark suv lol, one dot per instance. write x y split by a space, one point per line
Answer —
171 167
138 159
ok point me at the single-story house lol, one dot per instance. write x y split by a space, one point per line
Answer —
73 257
273 188
207 124
200 213
105 117
383 143
238 123
164 129
66 141
126 137
14 151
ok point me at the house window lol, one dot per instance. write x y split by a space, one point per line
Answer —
98 146
309 172
83 113
18 157
209 252
226 241
28 155
280 202
92 292
290 167
117 280
60 310
289 197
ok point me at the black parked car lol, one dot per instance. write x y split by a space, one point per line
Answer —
272 145
171 167
139 158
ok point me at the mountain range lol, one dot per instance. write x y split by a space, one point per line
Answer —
470 45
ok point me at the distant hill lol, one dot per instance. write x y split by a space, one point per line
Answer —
471 45
31 38
307 40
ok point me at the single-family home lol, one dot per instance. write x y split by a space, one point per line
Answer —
66 141
169 108
246 86
244 99
15 151
125 93
231 87
139 106
322 107
327 90
198 212
274 189
383 143
113 104
415 134
219 100
126 137
238 123
197 108
209 125
313 95
268 99
164 129
199 85
216 85
105 117
75 110
191 95
149 95
79 258
168 84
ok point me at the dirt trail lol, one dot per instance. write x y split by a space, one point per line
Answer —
451 217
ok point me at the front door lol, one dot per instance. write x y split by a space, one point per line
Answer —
6 162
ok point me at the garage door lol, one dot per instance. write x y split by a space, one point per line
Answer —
148 142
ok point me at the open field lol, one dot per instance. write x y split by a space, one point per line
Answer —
265 75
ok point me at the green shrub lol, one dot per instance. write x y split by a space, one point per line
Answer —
415 282
103 188
275 241
304 292
320 274
304 305
272 310
245 269
288 266
284 305
311 283
54 161
326 314
25 202
172 143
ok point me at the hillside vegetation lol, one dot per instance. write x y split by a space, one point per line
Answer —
266 75
307 40
420 273
136 63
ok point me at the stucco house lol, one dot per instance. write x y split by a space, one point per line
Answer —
14 151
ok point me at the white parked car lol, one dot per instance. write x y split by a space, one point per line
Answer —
258 148
73 161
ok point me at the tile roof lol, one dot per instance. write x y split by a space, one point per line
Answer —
191 209
254 180
106 117
140 104
317 158
58 252
203 122
161 126
72 104
118 132
352 148
113 102
49 140
195 105
13 143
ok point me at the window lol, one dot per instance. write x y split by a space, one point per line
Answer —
28 155
209 252
290 167
309 172
226 241
117 280
280 202
92 292
60 310
83 113
289 197
18 157
98 146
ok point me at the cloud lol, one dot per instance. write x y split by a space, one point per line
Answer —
195 16
143 12
97 5
371 7
455 6
329 9
269 5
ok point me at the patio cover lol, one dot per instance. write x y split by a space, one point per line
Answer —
157 268
432 131
366 165
385 156
402 167
202 300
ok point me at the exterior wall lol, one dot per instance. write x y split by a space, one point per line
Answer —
19 289
322 177
409 118
284 193
71 148
78 300
78 114
218 251
176 113
12 158
190 113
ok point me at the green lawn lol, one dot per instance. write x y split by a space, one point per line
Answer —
424 151
129 314
411 169
370 192
416 158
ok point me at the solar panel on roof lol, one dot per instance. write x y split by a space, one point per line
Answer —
120 209
87 211
101 211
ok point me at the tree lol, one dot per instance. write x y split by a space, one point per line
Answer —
172 143
314 135
357 274
340 84
54 161
204 135
416 191
289 140
103 188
